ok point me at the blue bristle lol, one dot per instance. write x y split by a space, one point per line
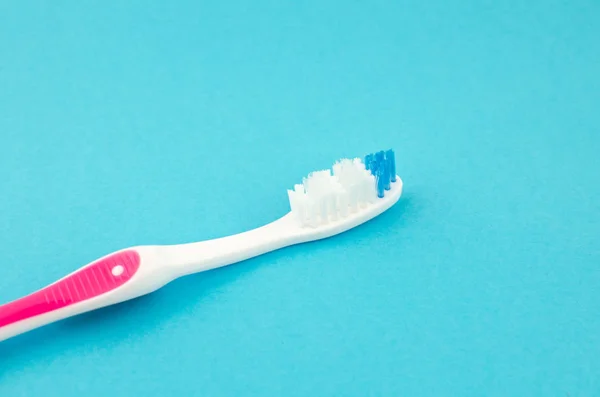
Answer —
382 165
380 182
374 167
386 175
391 160
377 163
368 160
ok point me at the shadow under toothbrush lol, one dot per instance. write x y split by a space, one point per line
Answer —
118 323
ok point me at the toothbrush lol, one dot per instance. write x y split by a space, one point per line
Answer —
325 204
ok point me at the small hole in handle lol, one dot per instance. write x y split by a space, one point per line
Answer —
117 270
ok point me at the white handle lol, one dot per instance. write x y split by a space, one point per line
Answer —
191 258
113 279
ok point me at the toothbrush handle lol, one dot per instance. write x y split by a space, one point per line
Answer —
135 272
106 281
184 259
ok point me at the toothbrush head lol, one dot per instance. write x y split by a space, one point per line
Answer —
352 192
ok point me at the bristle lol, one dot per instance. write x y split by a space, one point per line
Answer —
342 202
386 175
355 184
368 161
380 182
391 158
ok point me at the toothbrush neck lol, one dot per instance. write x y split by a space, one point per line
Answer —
192 258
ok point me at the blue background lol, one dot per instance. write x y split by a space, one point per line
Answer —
156 123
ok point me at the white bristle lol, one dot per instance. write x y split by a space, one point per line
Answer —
293 201
323 210
302 211
326 197
353 197
342 202
333 205
359 164
312 209
371 193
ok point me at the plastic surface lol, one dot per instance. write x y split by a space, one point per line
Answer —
138 271
112 279
288 230
353 187
96 279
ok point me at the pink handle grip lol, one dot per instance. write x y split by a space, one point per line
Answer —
91 281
